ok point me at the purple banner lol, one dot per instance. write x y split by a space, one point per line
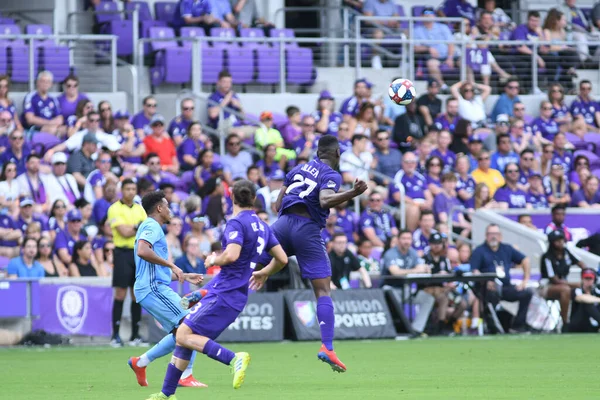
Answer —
581 225
75 310
13 298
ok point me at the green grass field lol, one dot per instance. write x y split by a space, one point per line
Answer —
509 367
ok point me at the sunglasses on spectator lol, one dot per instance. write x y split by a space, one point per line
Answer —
233 143
483 158
188 108
586 88
375 200
528 159
44 245
548 151
151 105
512 171
105 109
513 87
309 125
518 126
75 220
17 138
104 161
59 163
546 108
381 139
60 206
154 163
344 129
557 166
434 165
467 90
410 161
519 109
94 120
582 162
557 91
72 85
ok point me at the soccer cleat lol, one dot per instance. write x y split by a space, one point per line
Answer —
238 367
116 342
161 396
329 357
190 381
140 372
191 299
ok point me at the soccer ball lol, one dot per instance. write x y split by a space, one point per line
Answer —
402 92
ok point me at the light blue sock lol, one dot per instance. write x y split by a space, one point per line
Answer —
160 349
188 371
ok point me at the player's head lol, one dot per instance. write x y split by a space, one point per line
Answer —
329 149
244 194
155 204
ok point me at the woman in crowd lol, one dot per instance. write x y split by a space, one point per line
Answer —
560 111
70 97
104 236
580 164
107 122
471 106
424 149
466 184
268 165
52 265
482 197
79 120
9 189
460 138
108 263
544 125
6 103
203 170
189 150
365 122
536 195
173 234
199 225
556 185
561 60
434 167
522 139
546 158
34 230
446 203
83 263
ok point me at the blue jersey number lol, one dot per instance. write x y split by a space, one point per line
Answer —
301 181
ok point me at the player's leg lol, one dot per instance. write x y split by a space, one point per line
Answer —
135 308
178 364
161 349
117 313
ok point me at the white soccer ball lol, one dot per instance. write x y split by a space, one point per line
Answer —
402 92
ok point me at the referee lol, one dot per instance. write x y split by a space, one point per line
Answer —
124 217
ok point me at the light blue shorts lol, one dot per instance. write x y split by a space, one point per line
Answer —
163 304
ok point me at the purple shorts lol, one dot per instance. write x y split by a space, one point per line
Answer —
301 237
210 317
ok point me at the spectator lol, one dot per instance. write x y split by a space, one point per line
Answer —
585 316
417 196
447 206
484 174
522 139
214 203
31 185
519 113
530 31
546 158
106 116
190 262
69 99
78 121
442 151
80 164
199 225
65 239
203 170
561 154
560 59
328 120
179 125
265 134
588 196
430 105
525 219
380 8
502 127
246 12
526 168
225 100
578 26
555 265
408 127
483 199
53 268
483 31
556 185
141 120
388 161
268 166
155 174
18 152
101 206
42 111
580 163
25 266
267 196
438 53
344 138
58 218
457 9
174 230
449 120
376 224
162 145
500 18
507 100
343 262
222 11
465 186
292 129
195 13
585 111
6 103
132 146
434 167
475 148
365 257
509 195
560 111
365 122
60 184
190 147
235 161
559 213
351 105
347 220
505 155
470 106
421 235
307 142
97 178
9 189
497 257
83 262
591 243
7 126
10 236
355 163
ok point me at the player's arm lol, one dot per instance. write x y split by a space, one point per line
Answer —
230 255
279 261
329 198
282 193
145 252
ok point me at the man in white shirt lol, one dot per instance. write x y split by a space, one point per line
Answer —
60 184
356 162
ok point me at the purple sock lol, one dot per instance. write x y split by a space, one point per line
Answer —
171 380
326 319
217 352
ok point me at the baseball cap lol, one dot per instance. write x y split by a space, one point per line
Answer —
368 84
157 119
436 238
74 215
325 95
59 157
502 119
26 201
432 82
535 175
266 115
121 114
475 138
555 235
90 138
216 166
588 273
278 175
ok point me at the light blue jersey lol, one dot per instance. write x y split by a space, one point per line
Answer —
148 277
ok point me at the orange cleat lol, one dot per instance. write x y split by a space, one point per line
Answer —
140 372
190 381
329 357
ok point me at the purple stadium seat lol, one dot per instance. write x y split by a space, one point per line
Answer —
279 119
182 195
3 60
223 33
594 159
124 31
299 65
596 173
145 27
175 66
275 33
213 61
253 33
56 59
595 139
38 29
144 13
44 140
240 63
7 21
186 181
107 12
417 11
164 11
572 138
192 32
10 30
162 33
19 54
267 65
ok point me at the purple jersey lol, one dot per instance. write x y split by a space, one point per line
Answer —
467 185
345 145
586 108
327 236
443 203
137 142
11 108
350 106
67 108
65 241
566 159
382 221
431 180
447 125
178 127
348 223
547 128
47 108
255 237
448 157
537 200
300 143
515 198
559 112
217 97
459 8
414 186
553 189
304 184
420 241
579 196
335 119
189 147
6 222
268 170
22 224
522 32
290 133
140 121
524 176
190 8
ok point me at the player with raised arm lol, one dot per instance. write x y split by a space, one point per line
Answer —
153 273
245 238
309 191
